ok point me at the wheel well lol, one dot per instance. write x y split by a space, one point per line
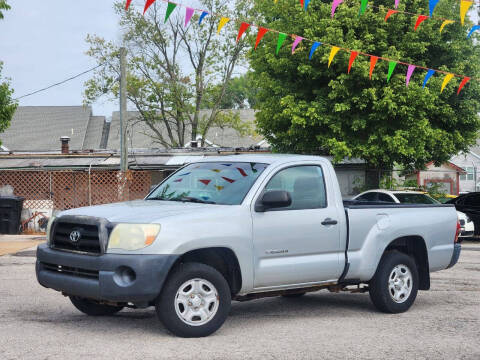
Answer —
414 246
221 259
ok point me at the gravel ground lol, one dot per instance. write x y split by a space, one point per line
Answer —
444 323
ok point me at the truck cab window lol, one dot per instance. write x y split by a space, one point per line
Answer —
304 183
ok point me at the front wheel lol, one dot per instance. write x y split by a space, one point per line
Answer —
394 287
195 301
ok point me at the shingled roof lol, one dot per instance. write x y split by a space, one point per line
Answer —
141 136
39 128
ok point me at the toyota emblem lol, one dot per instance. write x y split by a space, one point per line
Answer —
75 236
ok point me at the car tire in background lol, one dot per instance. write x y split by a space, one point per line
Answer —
93 308
195 301
394 286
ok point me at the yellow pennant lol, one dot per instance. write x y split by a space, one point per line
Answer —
447 79
223 22
464 6
445 23
333 52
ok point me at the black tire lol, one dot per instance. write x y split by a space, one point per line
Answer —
380 292
166 306
93 308
294 295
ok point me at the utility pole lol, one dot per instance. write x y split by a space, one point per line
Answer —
123 111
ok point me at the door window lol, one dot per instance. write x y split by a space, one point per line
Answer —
371 196
304 183
385 198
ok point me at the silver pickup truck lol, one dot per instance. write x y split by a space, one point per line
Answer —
240 228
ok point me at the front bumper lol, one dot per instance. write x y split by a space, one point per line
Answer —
457 249
103 277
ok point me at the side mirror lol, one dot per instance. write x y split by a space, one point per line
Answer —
273 200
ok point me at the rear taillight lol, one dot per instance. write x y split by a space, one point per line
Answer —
457 233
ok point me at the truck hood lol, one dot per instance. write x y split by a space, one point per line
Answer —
143 211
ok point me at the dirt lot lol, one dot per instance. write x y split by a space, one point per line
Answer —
444 323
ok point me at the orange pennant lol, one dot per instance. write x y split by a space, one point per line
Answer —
462 84
353 56
420 19
373 62
242 29
390 13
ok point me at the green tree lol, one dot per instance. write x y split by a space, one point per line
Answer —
173 69
7 104
305 107
3 6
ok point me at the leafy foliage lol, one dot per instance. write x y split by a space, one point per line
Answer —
173 70
7 104
305 107
3 6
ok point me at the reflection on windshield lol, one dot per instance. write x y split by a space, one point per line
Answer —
210 183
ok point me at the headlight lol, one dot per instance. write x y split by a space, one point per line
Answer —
49 228
133 236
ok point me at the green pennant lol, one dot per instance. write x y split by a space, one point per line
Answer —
363 6
170 8
391 67
281 39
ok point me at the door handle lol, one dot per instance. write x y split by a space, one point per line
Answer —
329 221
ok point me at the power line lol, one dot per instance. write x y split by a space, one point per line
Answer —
59 83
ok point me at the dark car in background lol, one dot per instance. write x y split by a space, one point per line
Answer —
470 205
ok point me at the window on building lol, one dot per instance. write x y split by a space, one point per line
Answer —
469 174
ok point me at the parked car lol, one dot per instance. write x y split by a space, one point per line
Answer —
469 204
241 228
415 197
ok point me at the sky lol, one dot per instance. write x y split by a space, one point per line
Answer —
43 42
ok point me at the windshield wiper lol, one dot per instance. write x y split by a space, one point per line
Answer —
193 200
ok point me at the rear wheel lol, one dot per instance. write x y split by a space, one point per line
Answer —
195 301
394 287
93 308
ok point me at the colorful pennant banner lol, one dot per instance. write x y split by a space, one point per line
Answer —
392 64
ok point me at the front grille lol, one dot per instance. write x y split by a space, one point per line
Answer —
88 242
72 271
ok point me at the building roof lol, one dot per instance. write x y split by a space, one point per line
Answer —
94 132
140 136
39 128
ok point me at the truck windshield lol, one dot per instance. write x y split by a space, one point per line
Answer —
210 183
409 198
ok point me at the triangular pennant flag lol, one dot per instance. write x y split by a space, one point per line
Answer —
410 70
390 13
244 174
472 30
462 84
391 67
206 182
306 4
464 6
445 23
222 23
446 80
432 4
261 33
353 56
333 52
301 2
363 6
188 15
373 62
127 5
420 19
335 4
297 41
202 17
315 46
147 5
243 27
396 3
428 76
281 39
170 8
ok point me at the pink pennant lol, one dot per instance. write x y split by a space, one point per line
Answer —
335 5
188 15
127 5
420 19
147 5
396 3
410 70
178 180
297 41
